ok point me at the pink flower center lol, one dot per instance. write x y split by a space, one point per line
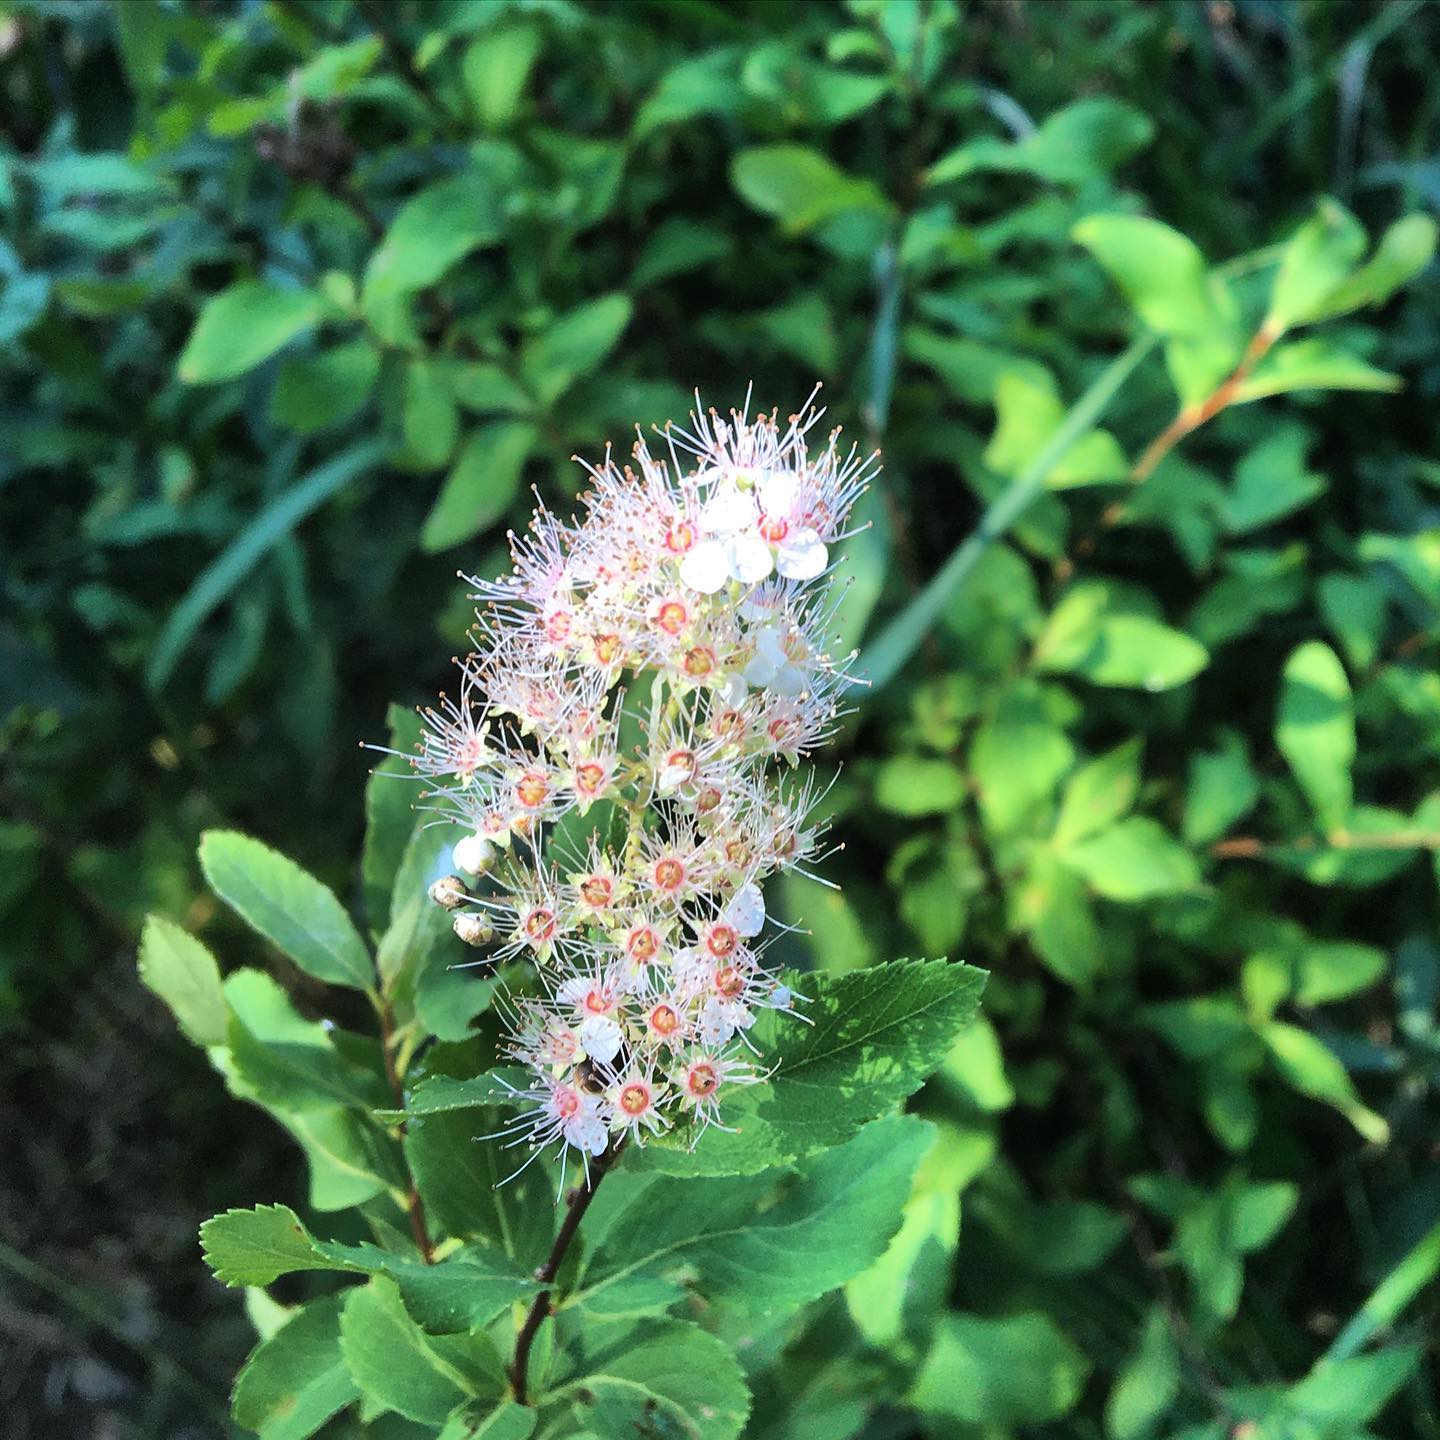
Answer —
669 874
531 789
699 661
701 1079
774 529
721 940
680 537
540 924
596 891
590 777
664 1020
672 617
643 944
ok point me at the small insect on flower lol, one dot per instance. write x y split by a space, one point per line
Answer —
686 608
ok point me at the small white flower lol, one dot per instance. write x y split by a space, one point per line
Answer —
601 1037
746 912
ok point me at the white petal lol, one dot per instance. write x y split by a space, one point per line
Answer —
600 1036
803 557
728 510
770 642
734 690
750 558
705 567
746 911
761 670
789 681
777 490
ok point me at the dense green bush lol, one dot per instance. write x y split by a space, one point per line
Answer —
301 297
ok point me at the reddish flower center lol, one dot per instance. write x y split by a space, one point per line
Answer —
643 944
669 874
729 982
590 777
540 924
700 661
702 1079
664 1020
722 940
635 1099
775 528
671 617
596 891
680 537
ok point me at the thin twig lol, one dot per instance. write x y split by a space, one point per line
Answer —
1247 847
577 1203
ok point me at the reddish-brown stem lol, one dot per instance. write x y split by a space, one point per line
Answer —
414 1205
577 1202
1190 419
1245 847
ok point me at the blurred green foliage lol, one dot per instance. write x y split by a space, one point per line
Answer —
300 298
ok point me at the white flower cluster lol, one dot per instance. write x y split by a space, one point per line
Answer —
611 752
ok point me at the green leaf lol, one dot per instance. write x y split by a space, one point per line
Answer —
1312 364
505 1421
874 1036
1222 788
1271 481
1161 272
1134 860
1028 412
1094 636
918 785
1315 1071
705 84
1146 1387
1099 792
256 1247
496 68
832 1222
468 1186
225 573
1020 1370
1405 249
1085 140
430 421
288 906
1017 758
1355 609
480 490
287 1063
1348 1394
400 1368
463 1292
242 326
1317 259
390 796
1315 730
175 966
316 391
660 1376
296 1380
1052 906
799 186
574 345
433 230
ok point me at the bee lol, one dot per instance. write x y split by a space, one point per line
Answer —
588 1078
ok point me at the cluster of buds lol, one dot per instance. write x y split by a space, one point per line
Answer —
624 752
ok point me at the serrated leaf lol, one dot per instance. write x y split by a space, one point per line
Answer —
288 906
659 1373
296 1380
873 1038
835 1220
463 1292
175 966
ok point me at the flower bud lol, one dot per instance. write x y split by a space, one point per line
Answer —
474 855
449 892
473 929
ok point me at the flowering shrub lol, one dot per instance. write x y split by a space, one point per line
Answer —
299 295
618 775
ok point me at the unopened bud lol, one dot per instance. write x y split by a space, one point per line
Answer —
472 928
474 855
449 892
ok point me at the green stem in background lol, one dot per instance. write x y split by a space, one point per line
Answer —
414 1204
882 660
1391 1296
